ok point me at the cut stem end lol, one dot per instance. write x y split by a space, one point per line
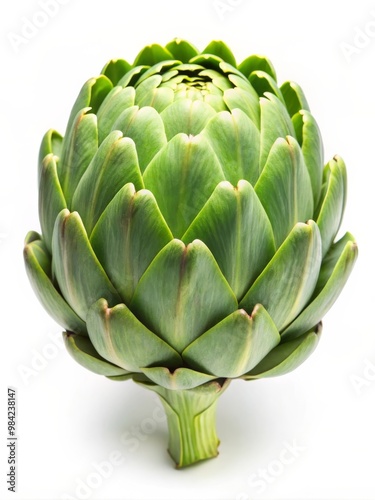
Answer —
191 417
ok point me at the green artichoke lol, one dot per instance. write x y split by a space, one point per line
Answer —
188 229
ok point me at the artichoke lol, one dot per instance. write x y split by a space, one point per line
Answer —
188 229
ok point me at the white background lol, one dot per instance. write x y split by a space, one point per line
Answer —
71 421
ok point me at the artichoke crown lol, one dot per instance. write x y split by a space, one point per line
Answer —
188 221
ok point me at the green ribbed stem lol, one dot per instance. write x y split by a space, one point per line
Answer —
191 416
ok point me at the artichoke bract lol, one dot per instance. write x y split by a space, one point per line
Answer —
188 229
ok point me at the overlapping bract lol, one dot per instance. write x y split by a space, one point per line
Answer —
188 222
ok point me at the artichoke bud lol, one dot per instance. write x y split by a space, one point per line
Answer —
188 229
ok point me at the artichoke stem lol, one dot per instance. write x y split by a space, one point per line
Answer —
191 417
